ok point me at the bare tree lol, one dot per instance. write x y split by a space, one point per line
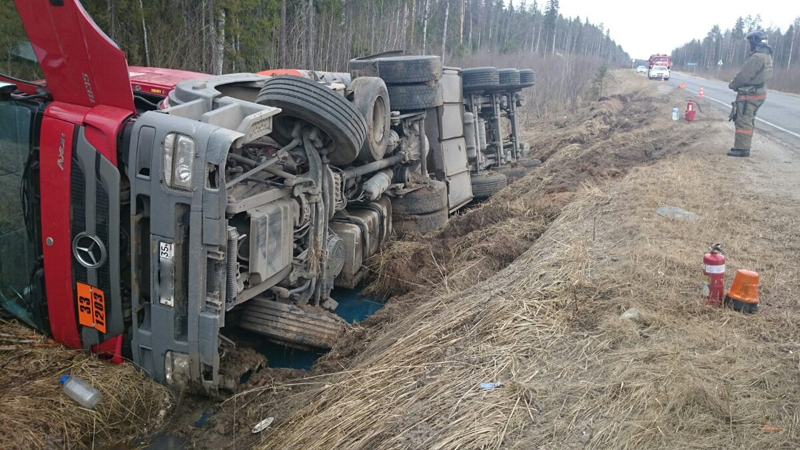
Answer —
283 34
795 25
144 33
311 35
463 13
219 47
425 26
444 36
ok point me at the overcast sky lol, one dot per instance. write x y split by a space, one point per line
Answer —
646 27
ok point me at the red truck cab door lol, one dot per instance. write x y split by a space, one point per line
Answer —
81 65
81 184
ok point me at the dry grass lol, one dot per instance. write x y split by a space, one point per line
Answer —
686 377
36 414
547 323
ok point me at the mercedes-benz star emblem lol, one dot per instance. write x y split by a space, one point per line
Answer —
89 251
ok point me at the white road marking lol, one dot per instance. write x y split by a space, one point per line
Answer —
797 135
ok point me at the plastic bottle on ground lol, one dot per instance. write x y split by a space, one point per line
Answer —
80 391
675 113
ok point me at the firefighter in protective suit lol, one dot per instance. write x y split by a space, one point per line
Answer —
751 93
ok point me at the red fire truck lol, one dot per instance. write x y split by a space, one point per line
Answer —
659 60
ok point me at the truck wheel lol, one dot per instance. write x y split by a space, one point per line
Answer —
509 77
431 198
487 184
314 103
416 96
371 99
480 78
421 223
399 69
529 163
526 77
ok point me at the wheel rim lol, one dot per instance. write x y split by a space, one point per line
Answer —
378 119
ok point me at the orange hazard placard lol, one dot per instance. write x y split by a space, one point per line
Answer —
91 307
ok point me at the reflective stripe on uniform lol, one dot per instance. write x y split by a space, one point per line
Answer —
751 97
741 131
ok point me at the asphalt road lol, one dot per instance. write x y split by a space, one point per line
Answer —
779 116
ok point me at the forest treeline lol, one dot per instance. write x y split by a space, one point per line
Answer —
224 36
219 36
730 47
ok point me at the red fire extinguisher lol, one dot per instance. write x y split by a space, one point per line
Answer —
714 275
690 111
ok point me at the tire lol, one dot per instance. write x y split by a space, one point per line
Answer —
509 77
422 223
429 199
529 163
480 78
487 184
312 102
399 69
416 96
371 99
527 77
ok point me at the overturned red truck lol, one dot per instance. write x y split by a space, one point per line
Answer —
145 211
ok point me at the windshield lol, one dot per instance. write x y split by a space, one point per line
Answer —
19 278
17 59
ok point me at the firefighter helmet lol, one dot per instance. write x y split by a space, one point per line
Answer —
757 37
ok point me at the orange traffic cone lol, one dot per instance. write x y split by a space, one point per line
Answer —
662 79
743 295
682 86
700 94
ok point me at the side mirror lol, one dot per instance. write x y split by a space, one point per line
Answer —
6 89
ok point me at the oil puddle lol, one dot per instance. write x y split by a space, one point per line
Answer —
354 307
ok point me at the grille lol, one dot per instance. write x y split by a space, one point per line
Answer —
103 231
78 206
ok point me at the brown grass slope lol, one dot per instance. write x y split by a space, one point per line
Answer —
541 313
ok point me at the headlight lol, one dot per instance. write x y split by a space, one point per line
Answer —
179 153
176 369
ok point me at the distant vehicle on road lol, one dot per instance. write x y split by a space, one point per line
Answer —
641 69
659 60
658 72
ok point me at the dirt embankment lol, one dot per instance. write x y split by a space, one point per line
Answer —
528 289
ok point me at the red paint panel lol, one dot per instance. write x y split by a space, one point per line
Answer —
66 112
110 349
154 80
55 165
81 64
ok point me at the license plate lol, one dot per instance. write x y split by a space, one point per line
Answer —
166 250
91 307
